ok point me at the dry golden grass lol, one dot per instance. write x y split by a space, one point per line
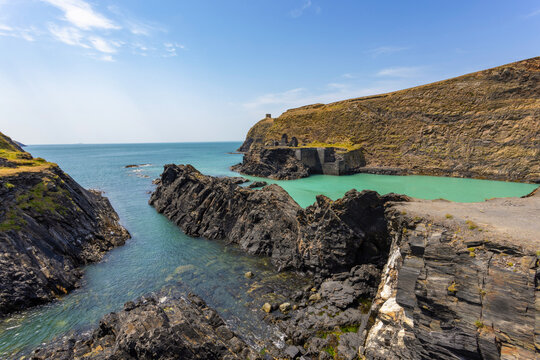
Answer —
488 119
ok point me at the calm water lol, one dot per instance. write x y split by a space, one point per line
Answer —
159 254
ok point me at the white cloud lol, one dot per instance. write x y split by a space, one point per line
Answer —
83 26
68 35
107 58
103 45
401 72
81 14
385 50
300 11
171 48
27 34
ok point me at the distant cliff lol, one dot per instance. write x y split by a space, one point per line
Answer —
49 227
483 125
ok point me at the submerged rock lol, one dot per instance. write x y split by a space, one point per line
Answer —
154 327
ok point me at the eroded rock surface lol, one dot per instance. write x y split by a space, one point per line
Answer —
395 280
449 293
294 163
327 237
154 327
484 124
49 227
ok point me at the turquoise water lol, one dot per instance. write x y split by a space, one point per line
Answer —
159 254
422 187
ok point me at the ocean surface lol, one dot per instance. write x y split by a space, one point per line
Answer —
159 254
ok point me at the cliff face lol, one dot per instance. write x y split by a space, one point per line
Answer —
397 278
285 163
485 125
450 291
49 227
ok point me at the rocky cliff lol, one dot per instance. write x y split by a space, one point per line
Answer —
285 163
49 227
326 237
154 327
483 125
405 279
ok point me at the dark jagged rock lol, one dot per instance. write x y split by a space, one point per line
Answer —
278 163
390 283
286 163
257 184
156 327
49 227
326 237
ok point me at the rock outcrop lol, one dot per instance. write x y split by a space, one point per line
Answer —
395 279
481 125
49 227
154 327
285 163
327 237
449 292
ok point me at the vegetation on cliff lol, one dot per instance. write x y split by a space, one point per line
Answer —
49 226
484 124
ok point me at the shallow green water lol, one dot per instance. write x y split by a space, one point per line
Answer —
305 190
159 254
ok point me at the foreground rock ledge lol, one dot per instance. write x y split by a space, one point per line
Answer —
154 327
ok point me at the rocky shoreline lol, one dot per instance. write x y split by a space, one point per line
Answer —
481 125
49 227
159 326
414 287
327 237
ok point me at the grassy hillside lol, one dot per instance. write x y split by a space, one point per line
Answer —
484 124
14 160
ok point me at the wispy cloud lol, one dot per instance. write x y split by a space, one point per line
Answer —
295 13
171 49
534 13
385 50
28 34
401 72
101 34
5 28
68 35
134 25
82 15
103 45
301 96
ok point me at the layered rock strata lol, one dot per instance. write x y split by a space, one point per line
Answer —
455 288
49 227
154 327
482 125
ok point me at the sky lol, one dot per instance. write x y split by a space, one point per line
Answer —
127 71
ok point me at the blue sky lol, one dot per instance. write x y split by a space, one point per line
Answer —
102 71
